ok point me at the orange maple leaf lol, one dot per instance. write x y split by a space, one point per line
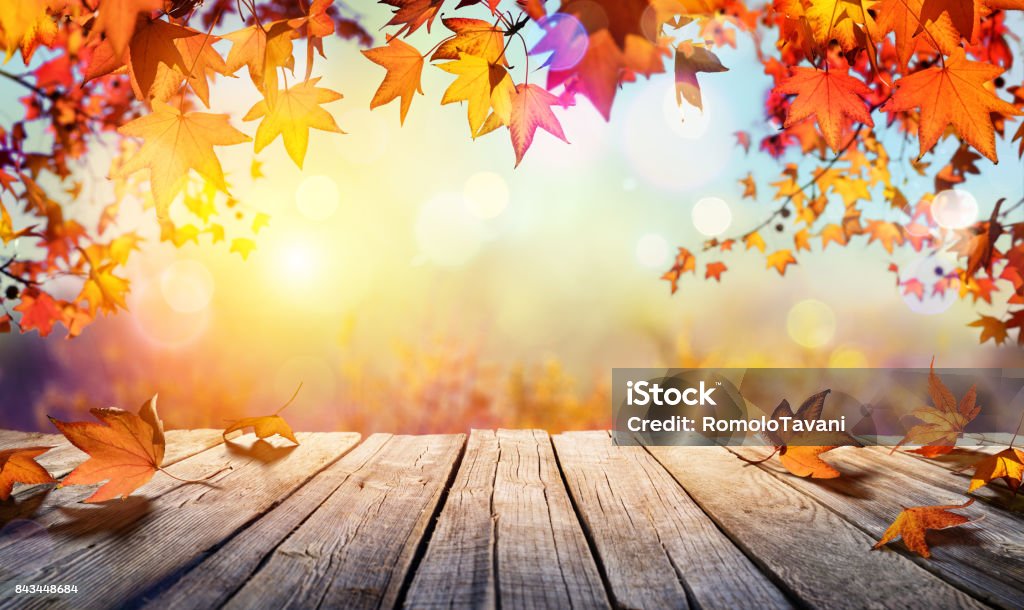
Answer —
836 99
38 310
1008 465
685 262
175 142
531 108
945 422
914 521
991 328
800 452
296 111
125 450
116 19
953 94
715 270
19 466
404 66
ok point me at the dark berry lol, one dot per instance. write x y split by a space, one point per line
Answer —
939 271
785 212
11 292
780 228
1000 82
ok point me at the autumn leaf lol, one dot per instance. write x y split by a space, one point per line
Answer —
202 60
834 98
991 328
904 19
104 291
944 422
404 66
23 24
715 270
484 85
472 37
155 63
913 522
689 61
263 49
38 310
1008 465
531 109
125 450
685 262
175 142
953 94
296 111
19 466
243 246
754 240
800 452
267 425
264 427
116 19
780 260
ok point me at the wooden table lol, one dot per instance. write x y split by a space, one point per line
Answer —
510 519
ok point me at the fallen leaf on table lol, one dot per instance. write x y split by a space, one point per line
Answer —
943 423
1008 465
19 466
125 450
266 426
913 522
800 452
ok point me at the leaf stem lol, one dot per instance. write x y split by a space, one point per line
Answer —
290 400
202 480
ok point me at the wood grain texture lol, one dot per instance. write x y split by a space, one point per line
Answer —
120 549
508 531
987 560
820 557
657 547
356 549
213 581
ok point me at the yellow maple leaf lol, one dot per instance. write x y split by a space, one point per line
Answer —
484 85
175 142
295 112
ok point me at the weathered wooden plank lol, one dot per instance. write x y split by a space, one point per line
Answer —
35 500
119 550
987 561
819 557
458 569
657 547
9 439
210 583
508 530
356 549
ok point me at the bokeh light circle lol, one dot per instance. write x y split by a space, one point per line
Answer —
565 39
685 120
486 195
161 325
847 357
653 251
711 216
446 233
811 323
317 197
955 209
187 286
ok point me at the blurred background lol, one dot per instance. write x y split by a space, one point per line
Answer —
413 281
